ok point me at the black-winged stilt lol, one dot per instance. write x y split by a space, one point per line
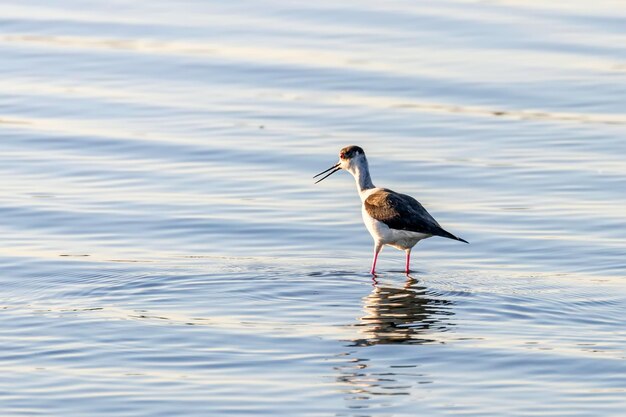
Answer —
393 219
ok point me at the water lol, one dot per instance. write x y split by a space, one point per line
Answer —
164 251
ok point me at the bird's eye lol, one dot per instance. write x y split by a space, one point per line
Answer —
342 155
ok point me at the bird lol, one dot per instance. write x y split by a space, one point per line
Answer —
393 219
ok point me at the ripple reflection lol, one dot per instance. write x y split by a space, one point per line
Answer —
410 314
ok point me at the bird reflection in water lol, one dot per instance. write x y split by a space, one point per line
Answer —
403 315
408 314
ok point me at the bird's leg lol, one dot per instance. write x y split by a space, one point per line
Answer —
377 249
408 260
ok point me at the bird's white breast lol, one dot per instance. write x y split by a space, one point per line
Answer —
366 193
399 239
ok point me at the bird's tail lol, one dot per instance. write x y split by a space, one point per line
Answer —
444 233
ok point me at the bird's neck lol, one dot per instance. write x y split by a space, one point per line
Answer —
362 177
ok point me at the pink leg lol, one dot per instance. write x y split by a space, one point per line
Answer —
408 260
377 249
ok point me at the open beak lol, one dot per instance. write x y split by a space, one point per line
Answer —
332 170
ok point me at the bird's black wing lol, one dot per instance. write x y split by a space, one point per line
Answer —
403 212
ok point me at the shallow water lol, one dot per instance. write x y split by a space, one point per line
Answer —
164 251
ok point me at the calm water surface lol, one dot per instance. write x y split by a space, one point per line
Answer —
164 251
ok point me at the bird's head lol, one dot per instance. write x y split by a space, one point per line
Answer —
350 158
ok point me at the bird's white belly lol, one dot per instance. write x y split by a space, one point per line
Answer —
399 239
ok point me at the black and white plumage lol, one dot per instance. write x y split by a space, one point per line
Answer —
393 219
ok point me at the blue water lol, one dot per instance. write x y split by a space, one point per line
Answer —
165 252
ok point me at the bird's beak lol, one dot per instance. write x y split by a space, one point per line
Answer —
332 170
